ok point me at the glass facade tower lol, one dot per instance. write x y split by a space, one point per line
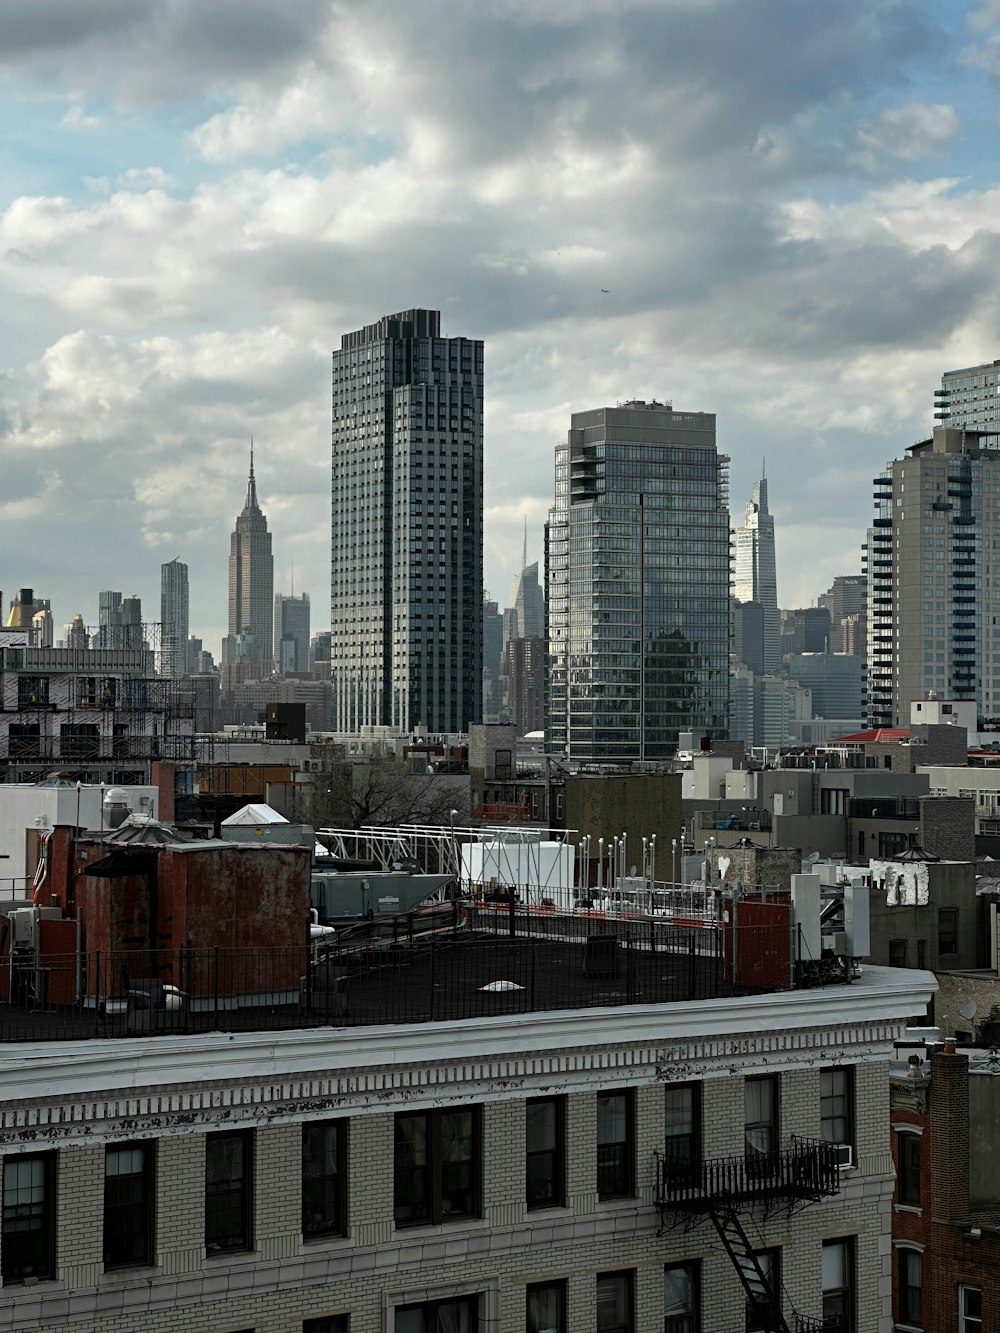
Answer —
406 628
638 575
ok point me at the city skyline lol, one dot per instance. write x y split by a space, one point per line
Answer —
188 220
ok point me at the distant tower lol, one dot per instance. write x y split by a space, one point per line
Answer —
526 600
251 583
174 618
291 632
756 578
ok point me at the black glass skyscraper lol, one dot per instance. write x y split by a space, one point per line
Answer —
407 527
637 567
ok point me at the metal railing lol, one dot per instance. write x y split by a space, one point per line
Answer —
806 1170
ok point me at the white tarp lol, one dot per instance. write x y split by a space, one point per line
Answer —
256 814
537 869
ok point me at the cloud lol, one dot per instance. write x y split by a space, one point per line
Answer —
912 131
76 118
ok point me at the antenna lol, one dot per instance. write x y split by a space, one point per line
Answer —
524 553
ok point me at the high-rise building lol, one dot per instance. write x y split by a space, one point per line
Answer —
492 650
291 632
934 577
407 539
970 398
846 600
119 621
755 571
526 602
637 572
174 618
251 586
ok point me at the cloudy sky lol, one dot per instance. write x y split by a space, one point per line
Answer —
795 208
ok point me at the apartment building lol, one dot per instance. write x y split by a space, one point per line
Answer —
509 1161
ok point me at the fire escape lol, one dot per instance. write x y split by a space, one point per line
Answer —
722 1188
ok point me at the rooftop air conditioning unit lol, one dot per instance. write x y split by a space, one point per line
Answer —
845 1155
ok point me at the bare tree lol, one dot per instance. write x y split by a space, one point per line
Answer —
381 791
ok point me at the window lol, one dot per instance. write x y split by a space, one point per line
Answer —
437 1166
544 1152
897 953
128 1205
836 1102
27 1247
323 1178
908 1169
761 1115
615 1121
546 1307
911 1282
970 1310
761 1316
947 930
454 1316
330 1323
680 1298
229 1191
614 1303
838 1286
682 1128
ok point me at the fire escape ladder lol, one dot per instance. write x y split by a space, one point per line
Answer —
748 1270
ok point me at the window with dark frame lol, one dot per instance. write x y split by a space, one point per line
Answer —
128 1204
762 1318
229 1191
681 1298
761 1115
970 1309
27 1242
838 1286
615 1302
324 1155
437 1166
897 953
545 1152
329 1323
908 1169
947 930
615 1144
545 1307
911 1286
460 1315
682 1128
836 1104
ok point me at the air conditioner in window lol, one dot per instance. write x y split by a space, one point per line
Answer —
845 1155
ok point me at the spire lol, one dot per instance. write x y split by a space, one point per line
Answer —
251 484
524 553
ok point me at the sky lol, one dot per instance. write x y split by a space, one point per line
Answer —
783 212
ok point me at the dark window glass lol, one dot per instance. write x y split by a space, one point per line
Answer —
330 1323
455 1316
544 1152
761 1115
921 953
970 1310
229 1191
897 953
27 1243
436 1166
947 930
681 1299
615 1121
128 1204
836 1092
838 1286
614 1303
545 1307
323 1195
908 1175
682 1126
911 1287
762 1316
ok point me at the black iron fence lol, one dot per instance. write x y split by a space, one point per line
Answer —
806 1170
486 962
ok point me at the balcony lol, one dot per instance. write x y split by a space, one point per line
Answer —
804 1172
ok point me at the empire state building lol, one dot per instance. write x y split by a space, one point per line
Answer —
251 586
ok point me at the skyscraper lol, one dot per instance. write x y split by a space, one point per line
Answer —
251 585
637 570
526 601
755 574
291 632
407 538
173 618
934 577
970 398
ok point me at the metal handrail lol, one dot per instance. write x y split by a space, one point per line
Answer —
805 1170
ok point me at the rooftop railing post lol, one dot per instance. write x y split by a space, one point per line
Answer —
97 993
215 986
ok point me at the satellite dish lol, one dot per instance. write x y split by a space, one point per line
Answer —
723 863
968 1011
